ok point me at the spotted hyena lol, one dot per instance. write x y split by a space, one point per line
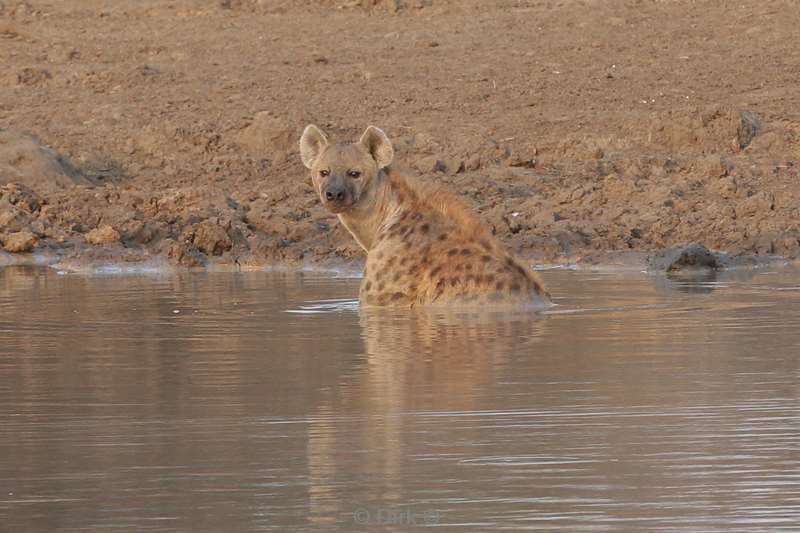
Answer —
423 245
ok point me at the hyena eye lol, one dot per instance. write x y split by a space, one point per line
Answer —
324 173
354 174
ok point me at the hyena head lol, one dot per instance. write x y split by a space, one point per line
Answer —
344 172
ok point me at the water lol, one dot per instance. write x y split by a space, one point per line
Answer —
269 402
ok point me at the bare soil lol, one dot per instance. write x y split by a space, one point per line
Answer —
139 129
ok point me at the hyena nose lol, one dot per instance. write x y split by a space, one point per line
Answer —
334 193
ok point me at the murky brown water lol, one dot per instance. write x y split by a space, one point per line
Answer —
267 402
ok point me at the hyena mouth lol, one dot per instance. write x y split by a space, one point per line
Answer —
337 206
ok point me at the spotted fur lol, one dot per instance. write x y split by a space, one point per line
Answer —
424 246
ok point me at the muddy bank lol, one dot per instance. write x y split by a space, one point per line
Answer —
143 132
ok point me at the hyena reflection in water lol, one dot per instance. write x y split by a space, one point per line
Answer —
425 372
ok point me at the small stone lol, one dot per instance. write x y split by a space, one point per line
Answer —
516 224
713 167
102 235
691 256
430 164
517 160
19 242
33 76
182 253
453 165
749 127
473 162
21 197
209 237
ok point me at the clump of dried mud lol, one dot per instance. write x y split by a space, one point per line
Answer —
143 130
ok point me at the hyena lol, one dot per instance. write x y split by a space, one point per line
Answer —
423 245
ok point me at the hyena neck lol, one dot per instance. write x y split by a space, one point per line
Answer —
375 212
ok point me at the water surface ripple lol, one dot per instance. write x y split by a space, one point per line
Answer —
210 402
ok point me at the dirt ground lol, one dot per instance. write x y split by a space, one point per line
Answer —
140 129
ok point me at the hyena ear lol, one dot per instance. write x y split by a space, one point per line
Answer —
312 143
378 144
